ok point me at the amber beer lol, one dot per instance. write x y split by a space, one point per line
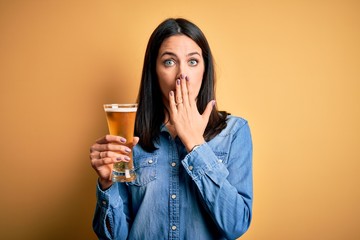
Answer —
121 122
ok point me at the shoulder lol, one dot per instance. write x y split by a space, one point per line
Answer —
234 124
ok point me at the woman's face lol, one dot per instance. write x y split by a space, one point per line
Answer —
178 55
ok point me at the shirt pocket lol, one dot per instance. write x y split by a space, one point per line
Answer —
145 169
221 156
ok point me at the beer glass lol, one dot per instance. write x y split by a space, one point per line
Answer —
121 122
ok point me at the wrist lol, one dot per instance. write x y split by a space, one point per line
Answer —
195 147
105 184
191 147
190 141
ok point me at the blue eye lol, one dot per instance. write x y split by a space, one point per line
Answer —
193 62
169 63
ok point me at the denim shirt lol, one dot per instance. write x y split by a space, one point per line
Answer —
204 194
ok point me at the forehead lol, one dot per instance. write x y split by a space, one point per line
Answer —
180 44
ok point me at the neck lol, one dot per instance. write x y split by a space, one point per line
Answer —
170 127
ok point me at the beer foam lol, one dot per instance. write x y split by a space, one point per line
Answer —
115 108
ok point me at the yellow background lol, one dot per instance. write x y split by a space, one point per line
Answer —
291 68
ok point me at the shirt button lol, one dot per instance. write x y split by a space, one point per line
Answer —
103 202
173 196
173 164
220 161
191 168
173 227
150 161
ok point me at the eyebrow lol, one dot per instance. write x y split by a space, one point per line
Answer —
173 54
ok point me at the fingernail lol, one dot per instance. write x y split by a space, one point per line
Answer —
126 158
186 78
213 102
178 82
181 76
128 150
171 93
123 140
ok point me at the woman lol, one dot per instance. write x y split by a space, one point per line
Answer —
193 162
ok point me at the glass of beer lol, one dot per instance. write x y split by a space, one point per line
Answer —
121 122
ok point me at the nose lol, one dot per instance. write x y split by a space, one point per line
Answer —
182 71
180 76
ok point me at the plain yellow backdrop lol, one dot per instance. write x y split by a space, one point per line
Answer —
291 68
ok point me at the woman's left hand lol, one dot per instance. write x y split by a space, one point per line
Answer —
184 115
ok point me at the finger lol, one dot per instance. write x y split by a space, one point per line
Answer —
208 109
184 91
114 155
191 97
135 141
95 155
111 138
109 147
108 158
97 163
172 102
178 95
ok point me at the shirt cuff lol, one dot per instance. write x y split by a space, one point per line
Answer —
108 198
203 161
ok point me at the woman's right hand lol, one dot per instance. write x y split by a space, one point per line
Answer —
105 152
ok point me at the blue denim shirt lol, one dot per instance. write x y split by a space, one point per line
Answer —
204 194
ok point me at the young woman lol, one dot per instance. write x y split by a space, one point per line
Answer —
193 162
